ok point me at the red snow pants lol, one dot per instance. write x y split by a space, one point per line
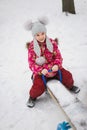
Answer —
38 86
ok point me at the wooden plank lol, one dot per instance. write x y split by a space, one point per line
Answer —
56 100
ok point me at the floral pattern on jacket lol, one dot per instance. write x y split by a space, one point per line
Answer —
52 58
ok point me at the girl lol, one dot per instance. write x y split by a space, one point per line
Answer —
44 55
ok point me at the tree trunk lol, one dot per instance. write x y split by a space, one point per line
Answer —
68 6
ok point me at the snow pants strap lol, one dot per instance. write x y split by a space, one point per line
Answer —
59 74
44 79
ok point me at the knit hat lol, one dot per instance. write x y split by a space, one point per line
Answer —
38 27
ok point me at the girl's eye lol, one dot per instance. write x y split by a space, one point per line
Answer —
42 33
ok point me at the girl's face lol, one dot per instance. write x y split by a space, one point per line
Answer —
40 37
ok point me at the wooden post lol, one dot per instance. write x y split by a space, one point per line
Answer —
68 6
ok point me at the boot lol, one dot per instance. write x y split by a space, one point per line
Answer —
31 102
75 89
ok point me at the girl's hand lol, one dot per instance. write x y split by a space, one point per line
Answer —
50 74
44 71
55 68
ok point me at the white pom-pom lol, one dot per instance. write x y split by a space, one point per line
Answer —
41 60
28 25
44 20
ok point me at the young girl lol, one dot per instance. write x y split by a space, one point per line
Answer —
44 55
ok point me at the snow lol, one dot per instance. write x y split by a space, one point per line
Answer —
58 89
15 76
70 103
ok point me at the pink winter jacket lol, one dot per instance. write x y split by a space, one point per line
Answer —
54 58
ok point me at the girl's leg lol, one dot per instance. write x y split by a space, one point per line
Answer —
67 78
37 88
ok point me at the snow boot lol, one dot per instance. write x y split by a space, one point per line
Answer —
75 89
31 102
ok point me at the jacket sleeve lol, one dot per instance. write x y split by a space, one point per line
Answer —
31 60
54 58
57 55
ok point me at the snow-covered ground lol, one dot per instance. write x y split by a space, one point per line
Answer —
15 76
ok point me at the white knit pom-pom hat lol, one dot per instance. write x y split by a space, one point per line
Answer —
38 27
